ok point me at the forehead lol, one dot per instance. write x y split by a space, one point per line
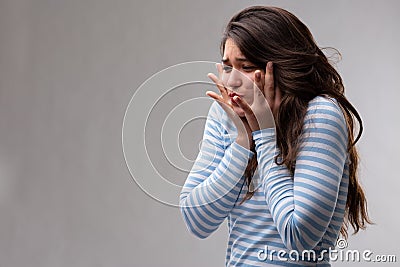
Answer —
232 50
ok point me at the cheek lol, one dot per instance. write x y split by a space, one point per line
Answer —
248 85
248 81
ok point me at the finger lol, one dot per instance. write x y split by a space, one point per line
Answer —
215 79
219 98
214 95
250 116
269 91
219 84
219 69
225 106
259 80
243 104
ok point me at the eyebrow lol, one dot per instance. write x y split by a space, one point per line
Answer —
224 60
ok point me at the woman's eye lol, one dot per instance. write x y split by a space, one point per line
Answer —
227 68
248 68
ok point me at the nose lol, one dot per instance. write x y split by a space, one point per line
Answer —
234 80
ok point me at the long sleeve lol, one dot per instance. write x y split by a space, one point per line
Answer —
302 205
214 183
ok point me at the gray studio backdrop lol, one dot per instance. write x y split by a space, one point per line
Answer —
68 70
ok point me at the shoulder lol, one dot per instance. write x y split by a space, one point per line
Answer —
324 106
325 113
321 102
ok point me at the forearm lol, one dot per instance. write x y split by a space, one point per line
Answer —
302 204
210 192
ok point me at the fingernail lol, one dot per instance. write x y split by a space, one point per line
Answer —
270 64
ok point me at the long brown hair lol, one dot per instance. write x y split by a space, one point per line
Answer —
301 71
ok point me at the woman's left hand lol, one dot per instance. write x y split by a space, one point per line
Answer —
267 98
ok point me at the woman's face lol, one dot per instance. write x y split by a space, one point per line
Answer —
237 75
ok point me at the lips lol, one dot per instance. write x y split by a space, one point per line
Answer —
232 94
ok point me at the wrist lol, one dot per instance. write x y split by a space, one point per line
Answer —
243 141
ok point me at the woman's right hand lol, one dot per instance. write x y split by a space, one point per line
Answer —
244 137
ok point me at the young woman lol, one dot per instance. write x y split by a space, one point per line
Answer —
278 157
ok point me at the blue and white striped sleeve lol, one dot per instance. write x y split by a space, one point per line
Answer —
302 205
214 183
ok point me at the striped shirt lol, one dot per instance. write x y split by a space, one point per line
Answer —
291 220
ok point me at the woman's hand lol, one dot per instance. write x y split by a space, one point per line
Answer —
244 137
267 98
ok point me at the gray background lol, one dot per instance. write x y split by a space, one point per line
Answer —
68 70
